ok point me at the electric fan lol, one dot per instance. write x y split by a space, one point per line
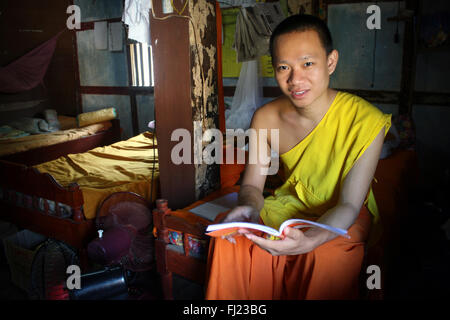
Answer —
125 224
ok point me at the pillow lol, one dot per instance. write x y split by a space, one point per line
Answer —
66 123
87 118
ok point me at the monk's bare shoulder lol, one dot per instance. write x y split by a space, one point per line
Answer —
268 116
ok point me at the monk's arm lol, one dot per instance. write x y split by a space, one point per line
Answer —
250 199
354 191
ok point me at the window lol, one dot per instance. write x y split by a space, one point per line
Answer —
141 63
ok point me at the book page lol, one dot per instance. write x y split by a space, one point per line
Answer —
230 227
300 223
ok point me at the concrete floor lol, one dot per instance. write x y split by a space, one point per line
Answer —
144 286
420 269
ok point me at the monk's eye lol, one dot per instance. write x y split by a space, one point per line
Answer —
282 68
308 64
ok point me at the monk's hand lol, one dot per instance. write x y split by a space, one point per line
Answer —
294 242
239 214
242 213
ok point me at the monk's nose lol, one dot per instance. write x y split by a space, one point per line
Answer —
297 76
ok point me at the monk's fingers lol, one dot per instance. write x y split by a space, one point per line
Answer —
238 214
244 231
293 233
286 246
265 244
230 237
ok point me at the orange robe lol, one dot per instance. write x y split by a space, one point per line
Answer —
245 271
315 171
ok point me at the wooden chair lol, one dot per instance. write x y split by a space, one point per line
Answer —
181 246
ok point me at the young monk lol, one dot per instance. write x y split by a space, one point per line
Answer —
329 144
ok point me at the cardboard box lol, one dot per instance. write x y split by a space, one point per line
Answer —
20 249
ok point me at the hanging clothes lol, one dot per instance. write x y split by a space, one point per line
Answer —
254 25
251 38
136 16
28 71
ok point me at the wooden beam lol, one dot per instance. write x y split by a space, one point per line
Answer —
121 91
432 98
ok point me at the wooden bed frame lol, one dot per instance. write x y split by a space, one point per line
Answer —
35 201
43 154
396 177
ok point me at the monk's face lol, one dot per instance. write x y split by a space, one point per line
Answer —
302 67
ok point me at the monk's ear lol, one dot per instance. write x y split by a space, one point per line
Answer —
332 61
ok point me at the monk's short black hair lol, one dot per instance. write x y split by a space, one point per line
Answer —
303 22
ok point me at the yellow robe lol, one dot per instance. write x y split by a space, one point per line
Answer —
315 170
316 167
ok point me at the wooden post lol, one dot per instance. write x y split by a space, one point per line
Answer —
185 76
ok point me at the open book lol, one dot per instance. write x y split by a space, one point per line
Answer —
223 229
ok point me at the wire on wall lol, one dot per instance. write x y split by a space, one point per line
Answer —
374 58
372 84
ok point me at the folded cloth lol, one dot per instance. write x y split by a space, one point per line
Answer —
51 117
31 125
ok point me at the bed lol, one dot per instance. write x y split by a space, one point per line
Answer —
59 198
181 245
42 135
